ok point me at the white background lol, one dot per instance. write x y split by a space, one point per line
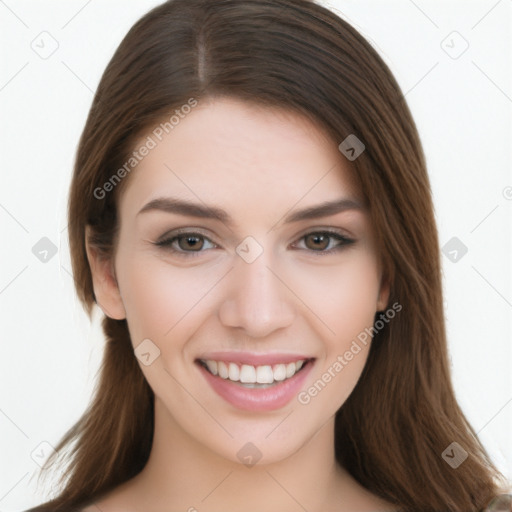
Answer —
463 109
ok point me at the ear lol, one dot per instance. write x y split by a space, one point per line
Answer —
106 289
383 295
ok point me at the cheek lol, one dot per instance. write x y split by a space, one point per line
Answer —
343 297
161 299
345 301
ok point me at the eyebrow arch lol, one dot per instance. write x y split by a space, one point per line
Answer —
181 207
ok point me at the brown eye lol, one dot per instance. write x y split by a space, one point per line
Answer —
190 242
317 241
324 242
184 244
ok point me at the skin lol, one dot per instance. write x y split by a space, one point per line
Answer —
259 165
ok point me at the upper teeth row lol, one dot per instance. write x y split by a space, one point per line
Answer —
247 373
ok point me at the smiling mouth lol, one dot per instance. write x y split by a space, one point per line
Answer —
254 377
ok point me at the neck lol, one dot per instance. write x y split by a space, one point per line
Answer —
182 474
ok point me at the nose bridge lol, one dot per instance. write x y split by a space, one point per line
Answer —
257 301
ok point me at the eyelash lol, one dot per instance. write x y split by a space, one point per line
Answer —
166 244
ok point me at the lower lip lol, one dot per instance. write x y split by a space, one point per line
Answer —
253 399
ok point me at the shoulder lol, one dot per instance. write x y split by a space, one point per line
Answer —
105 507
501 502
91 508
112 502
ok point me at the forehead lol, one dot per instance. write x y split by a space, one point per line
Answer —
227 151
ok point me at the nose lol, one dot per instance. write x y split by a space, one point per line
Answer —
258 300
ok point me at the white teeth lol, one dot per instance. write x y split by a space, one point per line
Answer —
279 372
223 370
290 370
212 366
234 372
248 374
264 375
253 375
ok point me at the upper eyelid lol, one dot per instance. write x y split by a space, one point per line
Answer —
201 231
183 231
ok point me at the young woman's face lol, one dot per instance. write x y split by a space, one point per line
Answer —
222 263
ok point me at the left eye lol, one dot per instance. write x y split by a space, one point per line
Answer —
324 241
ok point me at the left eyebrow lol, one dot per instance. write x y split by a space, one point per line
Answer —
325 209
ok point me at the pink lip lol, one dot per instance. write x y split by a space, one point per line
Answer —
253 358
253 399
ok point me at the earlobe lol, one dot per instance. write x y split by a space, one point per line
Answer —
106 288
383 296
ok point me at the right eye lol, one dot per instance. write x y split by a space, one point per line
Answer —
184 243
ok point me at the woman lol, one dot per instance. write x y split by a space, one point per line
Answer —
251 210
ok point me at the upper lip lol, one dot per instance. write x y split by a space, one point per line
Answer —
253 358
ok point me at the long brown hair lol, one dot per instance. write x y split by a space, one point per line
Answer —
300 56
